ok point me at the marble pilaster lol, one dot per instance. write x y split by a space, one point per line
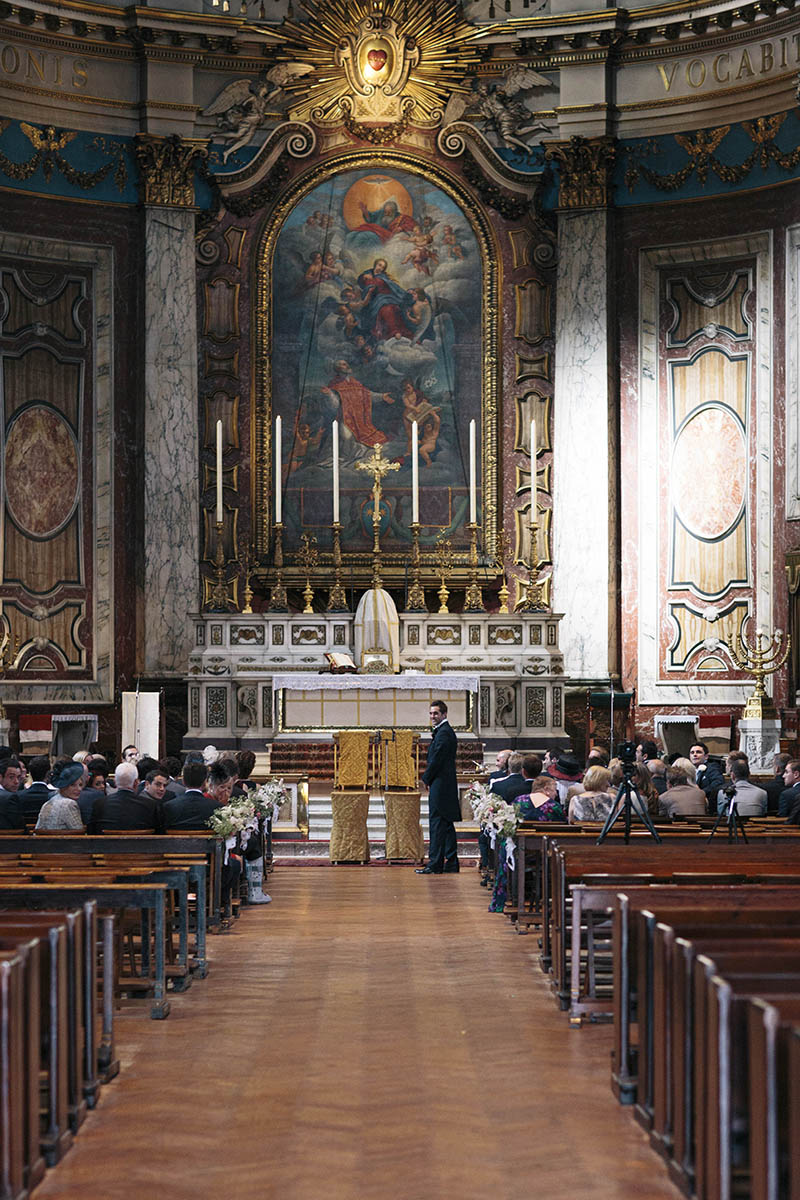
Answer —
584 504
172 535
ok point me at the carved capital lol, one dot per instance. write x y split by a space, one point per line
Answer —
585 167
166 169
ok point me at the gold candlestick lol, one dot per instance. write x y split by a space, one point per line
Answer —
763 657
277 597
308 559
219 593
444 559
533 600
377 467
500 561
416 595
473 600
337 601
247 570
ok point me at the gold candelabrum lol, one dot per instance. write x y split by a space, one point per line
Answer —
277 596
307 558
533 600
761 658
220 599
416 595
337 600
377 467
473 600
7 655
247 572
444 562
500 563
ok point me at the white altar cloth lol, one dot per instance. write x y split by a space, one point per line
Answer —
310 681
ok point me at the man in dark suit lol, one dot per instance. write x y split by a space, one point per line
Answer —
791 787
708 773
775 785
516 783
31 799
501 763
193 808
125 808
443 805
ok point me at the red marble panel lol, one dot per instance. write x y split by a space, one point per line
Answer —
42 471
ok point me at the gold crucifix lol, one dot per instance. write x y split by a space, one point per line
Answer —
377 467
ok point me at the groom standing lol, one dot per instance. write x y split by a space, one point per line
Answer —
443 805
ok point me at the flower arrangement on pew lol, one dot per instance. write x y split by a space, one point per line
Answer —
269 799
234 822
495 815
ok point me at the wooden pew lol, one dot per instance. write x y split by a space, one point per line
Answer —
142 895
769 1038
12 1072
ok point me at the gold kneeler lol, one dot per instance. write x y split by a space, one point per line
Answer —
399 774
350 796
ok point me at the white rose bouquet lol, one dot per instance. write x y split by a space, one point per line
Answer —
269 799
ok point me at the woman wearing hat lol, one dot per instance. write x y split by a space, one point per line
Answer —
62 811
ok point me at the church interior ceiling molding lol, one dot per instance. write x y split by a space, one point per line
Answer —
56 338
706 515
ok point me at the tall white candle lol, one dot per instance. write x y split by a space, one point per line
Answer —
414 473
278 480
533 470
473 494
336 472
219 472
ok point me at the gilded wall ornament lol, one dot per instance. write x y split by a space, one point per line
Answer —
585 169
377 66
48 143
166 169
245 106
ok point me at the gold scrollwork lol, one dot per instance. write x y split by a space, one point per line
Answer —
585 167
48 144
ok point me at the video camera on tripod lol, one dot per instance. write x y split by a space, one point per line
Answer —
628 802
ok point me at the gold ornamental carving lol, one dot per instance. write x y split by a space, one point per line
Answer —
166 169
585 166
376 66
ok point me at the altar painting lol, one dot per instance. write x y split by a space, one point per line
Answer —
377 322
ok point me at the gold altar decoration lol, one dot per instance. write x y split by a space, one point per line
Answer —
535 595
444 565
377 467
376 65
308 560
278 601
404 838
500 564
349 837
398 766
247 572
337 600
416 594
473 601
219 596
351 758
761 658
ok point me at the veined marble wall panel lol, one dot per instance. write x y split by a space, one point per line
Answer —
584 518
719 404
171 513
793 373
58 385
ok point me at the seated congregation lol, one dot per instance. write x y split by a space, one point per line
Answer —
110 884
687 941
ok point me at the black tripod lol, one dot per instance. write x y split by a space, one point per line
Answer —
732 818
624 807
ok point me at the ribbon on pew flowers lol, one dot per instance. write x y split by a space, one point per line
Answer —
496 817
237 820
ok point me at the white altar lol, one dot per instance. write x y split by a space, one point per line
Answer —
257 678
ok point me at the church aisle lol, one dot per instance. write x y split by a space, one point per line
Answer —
372 1035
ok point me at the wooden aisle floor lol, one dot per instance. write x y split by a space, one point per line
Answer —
370 1034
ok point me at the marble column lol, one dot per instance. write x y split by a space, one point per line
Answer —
171 470
584 465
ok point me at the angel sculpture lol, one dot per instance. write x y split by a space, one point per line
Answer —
242 107
502 106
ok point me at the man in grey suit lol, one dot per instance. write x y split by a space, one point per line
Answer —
443 806
751 801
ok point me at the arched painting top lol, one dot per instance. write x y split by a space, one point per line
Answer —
377 306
